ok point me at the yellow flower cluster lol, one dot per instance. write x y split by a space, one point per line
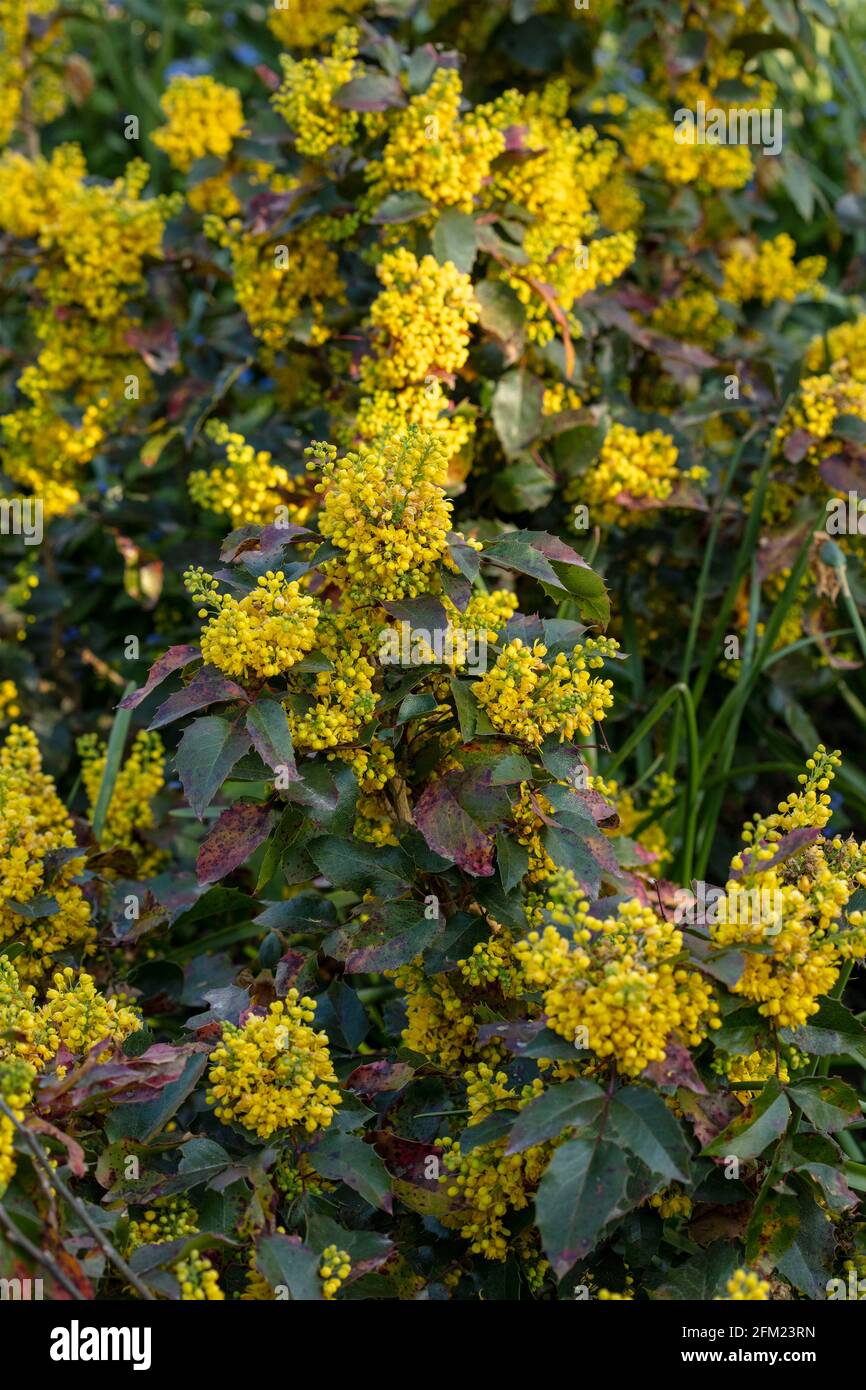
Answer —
298 25
427 407
769 272
80 1016
842 351
250 488
440 1018
671 1203
305 98
75 1015
204 118
420 322
282 288
197 1278
648 139
528 698
434 151
820 399
16 1085
334 1269
692 316
745 1285
385 510
789 913
34 44
622 978
259 636
554 186
168 1219
274 1071
488 1183
9 706
635 467
35 822
94 241
139 780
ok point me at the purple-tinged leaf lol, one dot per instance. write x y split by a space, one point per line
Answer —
237 834
451 832
207 687
206 754
171 660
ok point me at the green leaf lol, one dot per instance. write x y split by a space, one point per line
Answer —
516 409
581 1191
381 869
703 1277
400 207
763 1120
454 240
827 1104
375 91
808 1261
646 1127
832 1031
268 727
512 860
288 1264
502 314
346 1158
566 1106
205 756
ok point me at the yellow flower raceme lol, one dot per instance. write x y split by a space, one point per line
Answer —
250 488
16 1086
274 1072
305 99
622 979
204 118
420 322
528 698
9 707
168 1219
434 151
262 635
769 272
311 26
385 510
334 1269
80 1016
34 822
139 780
197 1278
791 912
631 465
745 1285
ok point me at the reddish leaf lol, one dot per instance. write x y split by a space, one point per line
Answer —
157 345
207 687
451 832
238 832
797 445
117 1079
377 1077
677 1069
74 1152
170 661
788 846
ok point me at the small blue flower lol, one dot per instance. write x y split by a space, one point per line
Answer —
187 67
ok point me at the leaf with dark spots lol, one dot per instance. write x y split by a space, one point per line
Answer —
408 1159
451 832
206 754
676 1069
172 660
378 1078
208 687
268 727
707 1114
758 1126
237 834
845 471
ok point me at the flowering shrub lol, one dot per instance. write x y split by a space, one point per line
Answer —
430 561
